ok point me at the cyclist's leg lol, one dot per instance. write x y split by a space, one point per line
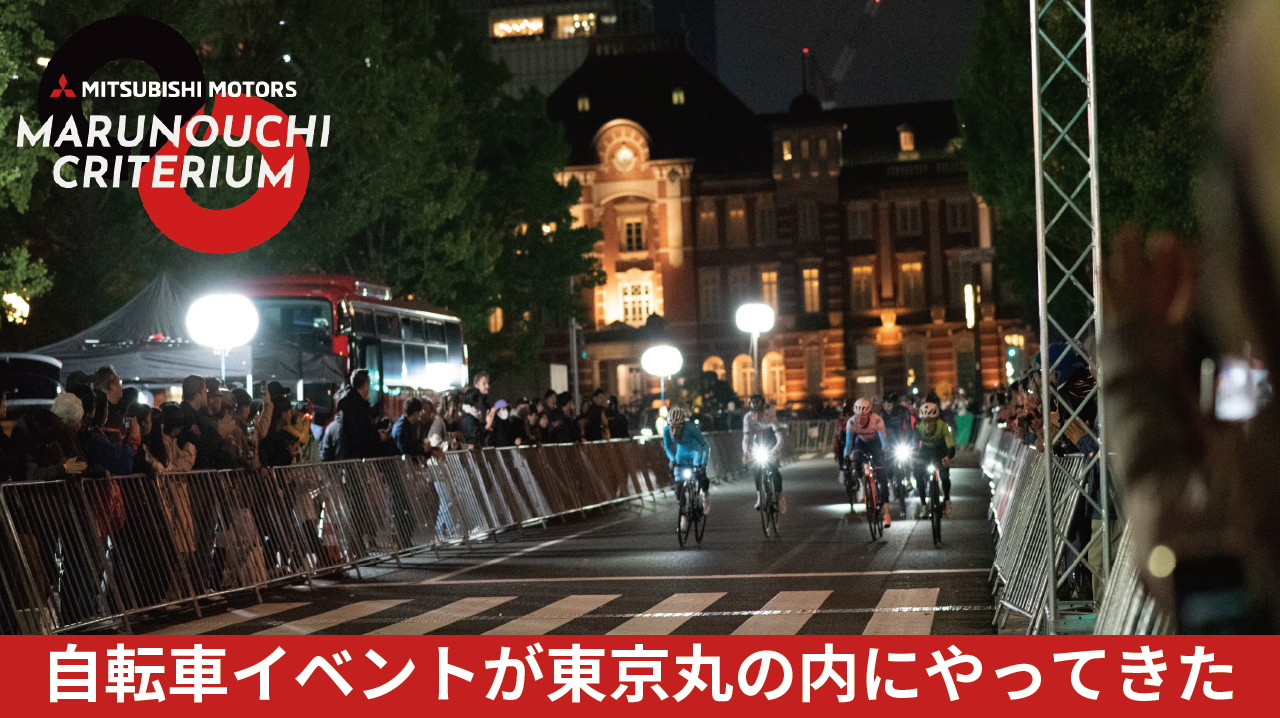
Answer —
777 478
946 482
922 482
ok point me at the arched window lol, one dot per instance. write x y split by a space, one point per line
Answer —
715 364
744 374
774 372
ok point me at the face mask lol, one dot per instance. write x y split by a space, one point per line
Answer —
503 414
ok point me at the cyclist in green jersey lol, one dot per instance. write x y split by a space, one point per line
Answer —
935 445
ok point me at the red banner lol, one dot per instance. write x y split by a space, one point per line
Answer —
636 675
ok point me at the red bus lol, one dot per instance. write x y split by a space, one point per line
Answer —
408 348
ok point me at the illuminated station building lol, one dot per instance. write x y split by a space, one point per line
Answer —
857 225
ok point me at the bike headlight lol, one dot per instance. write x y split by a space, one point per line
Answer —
761 455
687 473
902 452
931 468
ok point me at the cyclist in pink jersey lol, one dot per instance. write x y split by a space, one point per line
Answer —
865 441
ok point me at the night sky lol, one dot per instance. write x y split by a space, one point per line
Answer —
912 50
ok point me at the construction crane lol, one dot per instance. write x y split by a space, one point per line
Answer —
828 84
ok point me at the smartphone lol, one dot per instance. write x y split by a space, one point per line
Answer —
1233 389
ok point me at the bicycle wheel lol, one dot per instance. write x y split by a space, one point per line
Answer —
869 496
766 498
682 535
699 524
902 497
935 511
773 517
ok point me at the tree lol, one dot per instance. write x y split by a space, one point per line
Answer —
1153 61
430 167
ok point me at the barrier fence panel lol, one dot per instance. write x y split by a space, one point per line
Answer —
75 554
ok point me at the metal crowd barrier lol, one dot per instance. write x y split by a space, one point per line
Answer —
1126 607
809 437
82 554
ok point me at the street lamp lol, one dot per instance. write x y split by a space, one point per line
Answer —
755 319
222 322
662 361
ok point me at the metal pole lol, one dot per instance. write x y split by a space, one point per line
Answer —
662 387
755 363
573 351
1096 205
1042 283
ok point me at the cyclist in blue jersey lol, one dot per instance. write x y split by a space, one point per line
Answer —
687 451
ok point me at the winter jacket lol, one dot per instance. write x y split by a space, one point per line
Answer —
356 436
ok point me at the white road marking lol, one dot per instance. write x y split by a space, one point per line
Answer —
667 616
425 623
549 618
904 623
445 578
222 620
784 615
574 579
329 619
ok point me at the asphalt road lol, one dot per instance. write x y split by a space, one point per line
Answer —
621 570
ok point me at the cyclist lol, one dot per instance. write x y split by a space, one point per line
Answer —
846 412
865 441
686 449
760 428
935 445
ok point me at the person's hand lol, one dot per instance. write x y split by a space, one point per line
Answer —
519 441
1152 283
74 466
488 418
946 461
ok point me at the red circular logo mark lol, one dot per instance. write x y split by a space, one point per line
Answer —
253 221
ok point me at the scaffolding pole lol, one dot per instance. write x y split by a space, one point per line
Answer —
1069 263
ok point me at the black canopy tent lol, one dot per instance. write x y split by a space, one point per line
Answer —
146 342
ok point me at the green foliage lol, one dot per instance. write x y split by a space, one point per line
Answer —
1153 60
21 42
430 169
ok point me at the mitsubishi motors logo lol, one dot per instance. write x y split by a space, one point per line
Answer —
101 148
62 87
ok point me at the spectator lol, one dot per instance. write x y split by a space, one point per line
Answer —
109 450
201 429
565 402
502 433
555 424
436 435
476 426
407 432
213 399
106 381
594 428
278 445
354 436
179 454
615 421
42 441
482 383
518 423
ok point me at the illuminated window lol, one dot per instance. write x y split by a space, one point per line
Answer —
859 222
822 148
1015 340
584 103
807 221
862 288
769 288
709 293
579 25
677 96
736 226
912 278
518 27
906 139
958 217
786 150
495 320
637 303
909 220
708 227
633 236
804 149
812 291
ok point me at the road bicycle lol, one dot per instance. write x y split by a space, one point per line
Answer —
872 499
695 519
935 504
768 496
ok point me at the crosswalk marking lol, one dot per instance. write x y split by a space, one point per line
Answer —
549 618
425 623
784 615
222 620
667 616
903 623
329 619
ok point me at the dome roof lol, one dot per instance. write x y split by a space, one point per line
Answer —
806 106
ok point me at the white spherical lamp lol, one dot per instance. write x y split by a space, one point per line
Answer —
662 360
755 318
222 321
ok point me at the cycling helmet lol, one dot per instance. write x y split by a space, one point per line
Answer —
928 410
861 407
675 416
757 402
